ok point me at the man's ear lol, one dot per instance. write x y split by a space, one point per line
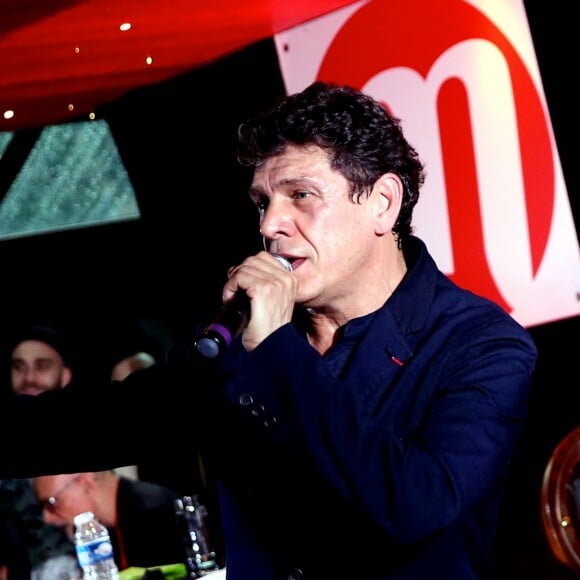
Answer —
66 376
88 480
389 198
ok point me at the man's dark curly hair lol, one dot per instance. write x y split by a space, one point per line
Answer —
362 139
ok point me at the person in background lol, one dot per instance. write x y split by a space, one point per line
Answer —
124 367
121 369
362 421
133 348
40 361
140 515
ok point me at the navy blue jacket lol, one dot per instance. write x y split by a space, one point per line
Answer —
387 461
384 459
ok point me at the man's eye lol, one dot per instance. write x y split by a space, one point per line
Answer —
301 194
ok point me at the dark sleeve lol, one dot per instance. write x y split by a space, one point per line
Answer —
92 427
148 524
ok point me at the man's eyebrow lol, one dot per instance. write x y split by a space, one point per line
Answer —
256 190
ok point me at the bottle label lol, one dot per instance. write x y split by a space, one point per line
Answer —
94 552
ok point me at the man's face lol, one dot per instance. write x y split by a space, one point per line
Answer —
62 497
37 367
306 215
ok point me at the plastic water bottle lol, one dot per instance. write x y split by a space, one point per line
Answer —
94 549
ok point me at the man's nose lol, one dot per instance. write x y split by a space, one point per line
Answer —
276 221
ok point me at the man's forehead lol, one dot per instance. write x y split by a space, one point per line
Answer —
49 482
295 164
31 348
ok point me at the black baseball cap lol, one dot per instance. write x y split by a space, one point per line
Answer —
48 334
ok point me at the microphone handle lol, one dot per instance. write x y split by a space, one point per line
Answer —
231 319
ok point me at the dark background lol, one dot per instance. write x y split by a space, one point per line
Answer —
166 270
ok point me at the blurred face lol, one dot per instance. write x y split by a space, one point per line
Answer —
306 215
63 497
37 367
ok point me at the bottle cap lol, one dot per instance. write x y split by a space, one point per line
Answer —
83 518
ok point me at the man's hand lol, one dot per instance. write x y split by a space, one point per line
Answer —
271 290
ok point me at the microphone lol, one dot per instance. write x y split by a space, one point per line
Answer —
232 318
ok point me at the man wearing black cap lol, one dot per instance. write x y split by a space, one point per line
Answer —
40 360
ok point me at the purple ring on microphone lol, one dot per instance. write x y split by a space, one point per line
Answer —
222 331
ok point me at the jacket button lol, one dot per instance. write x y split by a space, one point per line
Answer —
258 410
296 574
246 400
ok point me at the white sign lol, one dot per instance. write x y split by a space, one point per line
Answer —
463 77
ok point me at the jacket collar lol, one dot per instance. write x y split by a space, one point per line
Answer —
390 335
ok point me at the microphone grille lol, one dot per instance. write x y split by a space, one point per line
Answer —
284 262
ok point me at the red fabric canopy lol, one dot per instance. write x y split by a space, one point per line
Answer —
62 58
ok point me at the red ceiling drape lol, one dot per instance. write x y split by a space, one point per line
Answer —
61 59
